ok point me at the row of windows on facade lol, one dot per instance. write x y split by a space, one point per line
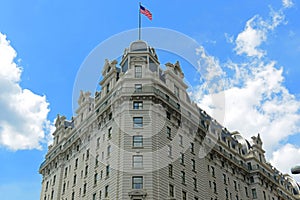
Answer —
138 74
137 162
184 194
229 195
233 145
138 121
106 193
226 181
137 183
137 141
138 87
250 166
182 173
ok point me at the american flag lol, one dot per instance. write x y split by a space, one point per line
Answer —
146 12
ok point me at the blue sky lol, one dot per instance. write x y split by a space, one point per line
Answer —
252 46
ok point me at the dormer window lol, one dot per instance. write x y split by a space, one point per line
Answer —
138 71
107 88
108 69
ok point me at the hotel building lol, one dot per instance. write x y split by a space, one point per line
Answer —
142 138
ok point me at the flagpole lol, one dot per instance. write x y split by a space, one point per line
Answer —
140 21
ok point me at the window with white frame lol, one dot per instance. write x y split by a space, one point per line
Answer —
138 71
137 105
169 135
137 161
137 182
138 122
137 141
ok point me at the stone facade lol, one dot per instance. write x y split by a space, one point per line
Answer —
141 137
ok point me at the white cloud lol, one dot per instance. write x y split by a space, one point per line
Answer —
255 33
248 41
262 105
210 70
285 158
254 99
23 116
287 3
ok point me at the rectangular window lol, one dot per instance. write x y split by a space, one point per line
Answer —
180 140
168 115
224 179
107 170
176 91
171 190
94 196
182 158
246 191
73 195
138 71
215 187
64 188
97 160
182 177
184 196
169 151
170 170
169 135
193 165
107 88
87 154
138 87
95 178
108 150
192 147
137 182
98 142
86 170
137 161
106 191
74 179
54 179
66 172
137 105
254 195
137 141
138 122
76 163
109 133
84 189
195 183
212 171
235 185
